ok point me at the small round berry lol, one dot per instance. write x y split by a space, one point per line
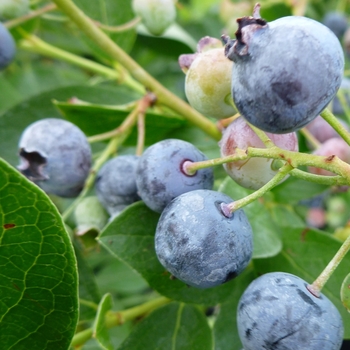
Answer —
160 175
208 84
55 155
254 172
198 244
7 47
332 147
10 9
336 22
276 85
156 15
321 130
277 311
90 216
116 183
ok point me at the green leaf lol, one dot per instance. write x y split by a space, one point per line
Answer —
130 238
267 241
345 292
88 289
157 126
15 120
285 216
111 13
175 327
99 328
39 282
294 190
225 327
306 253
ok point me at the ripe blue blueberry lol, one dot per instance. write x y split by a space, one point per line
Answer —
336 22
116 183
160 176
198 244
7 47
276 81
278 312
55 155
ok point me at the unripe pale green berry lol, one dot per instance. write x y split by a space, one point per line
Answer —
156 15
10 9
90 215
208 84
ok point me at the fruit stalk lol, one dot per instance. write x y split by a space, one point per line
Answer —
33 44
316 287
164 96
334 122
282 173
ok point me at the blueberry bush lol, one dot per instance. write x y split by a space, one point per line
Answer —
174 174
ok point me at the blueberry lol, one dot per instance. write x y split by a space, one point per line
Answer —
286 71
208 84
156 15
198 244
254 172
160 176
7 47
277 312
56 155
116 183
336 22
10 9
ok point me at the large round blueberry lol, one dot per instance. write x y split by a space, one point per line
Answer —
286 71
56 155
277 312
198 244
160 176
7 47
116 183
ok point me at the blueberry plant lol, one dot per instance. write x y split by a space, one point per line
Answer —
174 175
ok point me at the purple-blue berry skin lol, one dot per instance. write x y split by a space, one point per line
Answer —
7 47
336 22
277 312
198 244
286 71
56 155
160 176
116 183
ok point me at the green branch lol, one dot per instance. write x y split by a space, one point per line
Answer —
164 96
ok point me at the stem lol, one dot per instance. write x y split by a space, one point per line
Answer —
316 287
122 28
128 123
164 96
33 44
36 13
320 179
344 104
82 337
282 173
88 303
125 129
337 126
190 168
116 318
311 138
262 136
140 133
